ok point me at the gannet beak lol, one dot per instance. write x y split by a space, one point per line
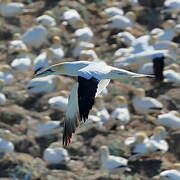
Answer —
143 76
43 73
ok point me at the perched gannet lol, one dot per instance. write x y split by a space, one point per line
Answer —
59 102
43 60
172 6
44 84
172 74
71 16
5 74
157 140
92 79
2 99
168 33
46 20
111 11
80 46
121 113
11 9
47 127
22 62
172 174
102 112
35 36
56 48
121 21
139 145
6 146
170 119
126 37
88 55
16 43
93 119
55 154
84 34
145 105
112 164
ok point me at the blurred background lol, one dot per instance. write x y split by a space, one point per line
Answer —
136 122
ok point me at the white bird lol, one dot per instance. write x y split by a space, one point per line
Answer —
172 74
56 48
121 113
22 62
71 16
145 105
121 21
171 174
126 37
168 33
157 140
47 127
16 43
112 11
11 9
93 119
35 36
58 102
172 6
84 34
46 20
55 154
88 55
2 99
44 84
112 164
5 74
6 146
139 145
170 119
43 60
80 46
92 79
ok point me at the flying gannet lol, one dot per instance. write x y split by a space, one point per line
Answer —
93 77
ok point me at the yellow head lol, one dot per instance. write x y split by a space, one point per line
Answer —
140 137
5 68
174 67
131 15
56 39
139 92
120 99
16 36
79 23
45 119
160 131
169 24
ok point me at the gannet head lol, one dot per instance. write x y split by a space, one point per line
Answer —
140 92
52 70
174 67
5 68
16 36
160 131
140 137
121 99
131 15
104 152
169 24
56 40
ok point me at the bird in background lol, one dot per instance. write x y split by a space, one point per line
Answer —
92 78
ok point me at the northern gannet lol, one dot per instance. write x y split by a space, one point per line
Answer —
22 62
47 127
92 79
55 154
121 113
157 140
59 102
44 84
16 43
11 9
112 164
46 20
2 99
170 119
172 6
56 48
5 74
145 105
35 36
111 11
121 21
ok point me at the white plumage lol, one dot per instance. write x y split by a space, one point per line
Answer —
55 154
46 20
171 174
6 146
35 36
170 120
144 105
